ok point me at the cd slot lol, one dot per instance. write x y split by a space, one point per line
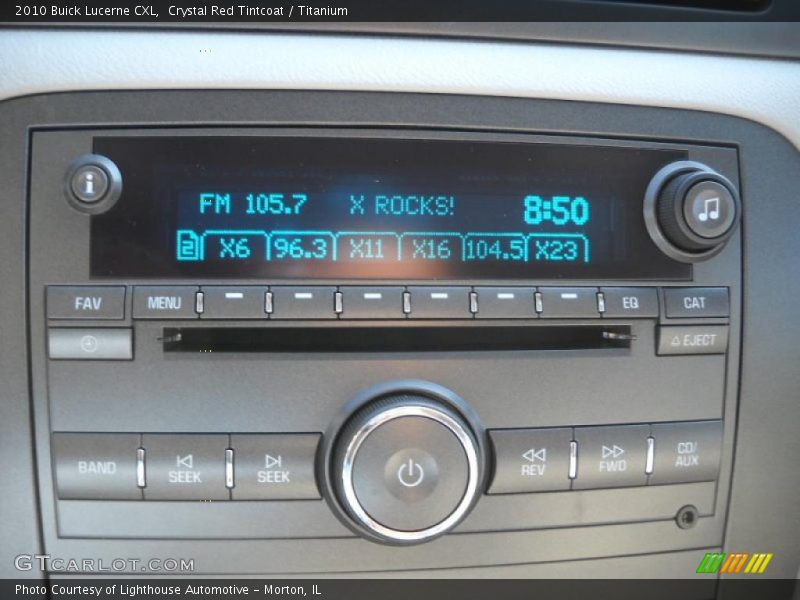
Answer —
382 338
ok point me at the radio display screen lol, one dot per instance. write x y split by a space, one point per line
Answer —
364 208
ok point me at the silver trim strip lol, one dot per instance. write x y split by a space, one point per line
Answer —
573 460
407 303
467 443
268 306
338 303
228 468
199 303
651 456
141 480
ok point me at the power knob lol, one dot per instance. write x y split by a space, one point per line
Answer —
407 466
691 211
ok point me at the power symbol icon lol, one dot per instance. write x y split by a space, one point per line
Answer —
410 474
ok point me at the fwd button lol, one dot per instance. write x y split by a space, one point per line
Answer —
611 456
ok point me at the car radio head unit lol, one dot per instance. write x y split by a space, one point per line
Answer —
364 208
391 334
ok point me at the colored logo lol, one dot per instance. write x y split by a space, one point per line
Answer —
734 562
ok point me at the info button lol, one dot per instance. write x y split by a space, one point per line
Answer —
164 302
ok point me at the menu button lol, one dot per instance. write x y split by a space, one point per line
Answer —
164 302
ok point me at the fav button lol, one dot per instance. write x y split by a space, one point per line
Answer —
696 302
530 460
96 466
274 466
185 466
686 452
85 302
611 456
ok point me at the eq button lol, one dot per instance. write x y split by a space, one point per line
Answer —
630 302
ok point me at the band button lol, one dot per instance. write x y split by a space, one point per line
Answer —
96 466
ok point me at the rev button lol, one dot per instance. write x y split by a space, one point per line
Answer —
530 460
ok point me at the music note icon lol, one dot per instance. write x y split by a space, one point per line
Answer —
710 210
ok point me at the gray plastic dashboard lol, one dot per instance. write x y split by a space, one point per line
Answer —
766 439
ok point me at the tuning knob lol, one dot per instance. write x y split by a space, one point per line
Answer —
407 466
691 211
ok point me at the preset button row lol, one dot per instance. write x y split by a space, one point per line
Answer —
381 302
537 460
129 466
